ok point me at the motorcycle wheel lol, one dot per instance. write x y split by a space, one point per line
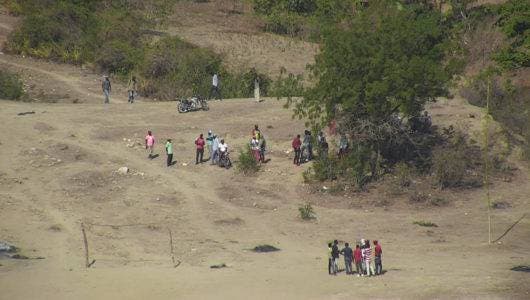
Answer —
181 107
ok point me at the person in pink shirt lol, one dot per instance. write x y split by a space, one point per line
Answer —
149 143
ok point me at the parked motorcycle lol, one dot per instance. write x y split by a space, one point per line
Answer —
192 104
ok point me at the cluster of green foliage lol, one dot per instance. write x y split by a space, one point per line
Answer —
301 17
514 20
375 70
246 163
11 87
174 68
109 33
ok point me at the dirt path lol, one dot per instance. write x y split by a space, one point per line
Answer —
216 215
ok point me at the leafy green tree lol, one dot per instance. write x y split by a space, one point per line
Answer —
384 61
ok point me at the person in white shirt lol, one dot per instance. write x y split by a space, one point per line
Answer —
223 148
215 88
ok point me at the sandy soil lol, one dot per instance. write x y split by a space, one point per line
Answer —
58 169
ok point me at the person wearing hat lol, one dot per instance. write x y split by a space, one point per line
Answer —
209 144
106 87
169 152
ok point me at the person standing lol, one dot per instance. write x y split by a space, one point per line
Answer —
106 87
262 147
209 144
335 256
357 257
256 90
169 152
367 255
297 143
343 145
254 146
150 143
215 149
307 146
131 89
215 87
347 252
199 143
378 262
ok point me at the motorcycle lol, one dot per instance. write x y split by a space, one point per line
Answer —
192 104
224 160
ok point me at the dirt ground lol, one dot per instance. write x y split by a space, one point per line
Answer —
58 170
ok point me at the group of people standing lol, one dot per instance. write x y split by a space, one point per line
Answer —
216 148
366 261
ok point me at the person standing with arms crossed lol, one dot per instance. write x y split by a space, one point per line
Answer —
169 152
106 87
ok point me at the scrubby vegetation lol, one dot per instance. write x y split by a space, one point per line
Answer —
120 38
246 163
306 211
11 86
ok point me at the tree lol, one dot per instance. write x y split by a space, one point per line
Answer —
387 59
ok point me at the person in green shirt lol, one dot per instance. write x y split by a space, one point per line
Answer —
169 151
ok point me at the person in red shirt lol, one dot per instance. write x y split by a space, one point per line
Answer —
199 143
357 258
297 143
378 262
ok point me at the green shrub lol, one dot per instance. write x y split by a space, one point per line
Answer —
306 211
287 85
10 86
247 164
425 223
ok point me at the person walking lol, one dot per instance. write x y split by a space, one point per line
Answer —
131 89
378 262
347 252
335 257
209 144
149 143
215 149
256 90
106 87
297 143
322 146
169 152
199 143
357 257
215 91
367 255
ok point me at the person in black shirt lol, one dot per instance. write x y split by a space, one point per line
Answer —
347 252
335 256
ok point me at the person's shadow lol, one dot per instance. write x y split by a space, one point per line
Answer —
154 156
173 163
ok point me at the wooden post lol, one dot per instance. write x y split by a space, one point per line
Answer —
87 263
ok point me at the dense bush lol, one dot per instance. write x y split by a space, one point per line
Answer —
11 87
514 20
287 85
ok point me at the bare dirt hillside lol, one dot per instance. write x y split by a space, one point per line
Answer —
58 170
230 28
